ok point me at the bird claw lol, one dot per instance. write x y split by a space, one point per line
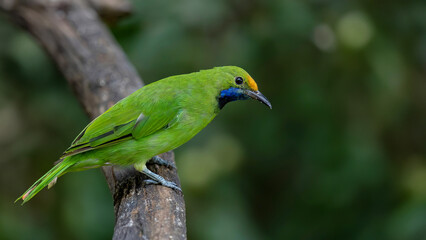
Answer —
159 161
157 179
165 183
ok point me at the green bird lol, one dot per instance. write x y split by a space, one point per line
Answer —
155 119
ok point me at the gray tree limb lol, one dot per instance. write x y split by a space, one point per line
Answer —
100 75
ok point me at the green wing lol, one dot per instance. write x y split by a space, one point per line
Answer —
120 123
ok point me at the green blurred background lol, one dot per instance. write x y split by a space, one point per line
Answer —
340 156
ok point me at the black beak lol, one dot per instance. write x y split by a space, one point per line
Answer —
259 96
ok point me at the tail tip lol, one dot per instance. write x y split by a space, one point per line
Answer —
24 196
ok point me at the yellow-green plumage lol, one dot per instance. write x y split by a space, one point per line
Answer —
155 119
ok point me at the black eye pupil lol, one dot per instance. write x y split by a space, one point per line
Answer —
239 80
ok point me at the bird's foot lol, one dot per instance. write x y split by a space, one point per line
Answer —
159 161
168 184
159 180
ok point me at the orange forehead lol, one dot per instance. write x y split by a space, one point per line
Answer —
252 84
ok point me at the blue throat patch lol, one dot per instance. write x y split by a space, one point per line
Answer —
229 95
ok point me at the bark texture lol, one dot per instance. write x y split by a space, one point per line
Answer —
100 74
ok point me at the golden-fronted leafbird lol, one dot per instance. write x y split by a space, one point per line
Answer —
155 119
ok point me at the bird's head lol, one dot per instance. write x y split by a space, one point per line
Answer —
237 84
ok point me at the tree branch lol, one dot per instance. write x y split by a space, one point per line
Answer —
100 75
110 10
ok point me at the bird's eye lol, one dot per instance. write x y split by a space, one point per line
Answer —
239 80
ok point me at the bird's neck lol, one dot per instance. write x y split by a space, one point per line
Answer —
200 100
229 95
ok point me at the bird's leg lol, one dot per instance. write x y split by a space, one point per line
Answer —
159 161
155 178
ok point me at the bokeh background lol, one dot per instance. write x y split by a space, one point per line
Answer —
340 156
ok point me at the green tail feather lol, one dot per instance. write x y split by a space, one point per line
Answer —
41 183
